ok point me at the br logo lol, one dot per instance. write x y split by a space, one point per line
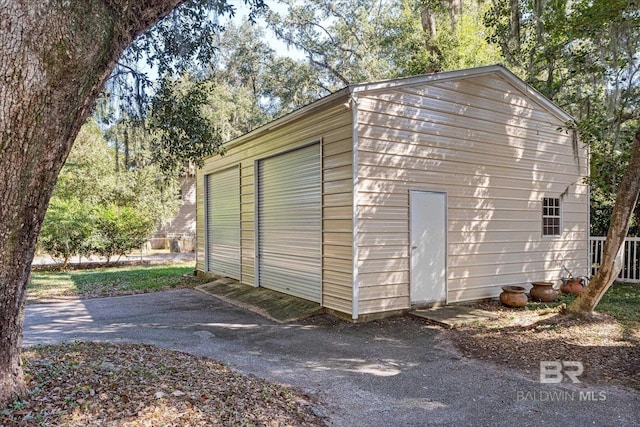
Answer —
553 372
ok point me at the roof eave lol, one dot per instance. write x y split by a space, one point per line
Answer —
288 118
400 82
467 73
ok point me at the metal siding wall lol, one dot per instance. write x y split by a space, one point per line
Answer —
334 125
496 152
290 223
223 222
201 243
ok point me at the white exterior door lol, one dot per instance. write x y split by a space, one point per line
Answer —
428 211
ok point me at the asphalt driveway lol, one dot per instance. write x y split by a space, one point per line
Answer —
398 372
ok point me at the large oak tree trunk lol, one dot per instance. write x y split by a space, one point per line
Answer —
626 199
56 56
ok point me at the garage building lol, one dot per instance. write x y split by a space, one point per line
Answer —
385 196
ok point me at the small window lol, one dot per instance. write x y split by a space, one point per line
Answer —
551 219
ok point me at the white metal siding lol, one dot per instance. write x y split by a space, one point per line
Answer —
337 207
290 223
497 153
223 222
333 126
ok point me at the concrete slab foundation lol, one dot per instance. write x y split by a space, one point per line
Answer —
451 316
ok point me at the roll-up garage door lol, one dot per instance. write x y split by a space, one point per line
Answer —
290 223
223 222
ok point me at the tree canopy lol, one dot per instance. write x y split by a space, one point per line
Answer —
584 56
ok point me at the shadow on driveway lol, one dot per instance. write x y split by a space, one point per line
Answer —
398 372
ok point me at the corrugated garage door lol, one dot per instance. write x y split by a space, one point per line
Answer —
223 222
290 223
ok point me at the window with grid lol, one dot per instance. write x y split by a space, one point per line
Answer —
551 217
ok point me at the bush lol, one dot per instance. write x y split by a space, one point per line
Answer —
119 229
66 229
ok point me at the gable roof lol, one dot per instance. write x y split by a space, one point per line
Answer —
353 90
497 69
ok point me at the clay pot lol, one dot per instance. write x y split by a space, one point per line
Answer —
571 286
543 291
513 296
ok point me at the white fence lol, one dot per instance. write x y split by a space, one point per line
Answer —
631 262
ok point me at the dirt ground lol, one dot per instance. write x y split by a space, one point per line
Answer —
521 339
81 384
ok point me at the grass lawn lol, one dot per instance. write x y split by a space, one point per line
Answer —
48 285
622 302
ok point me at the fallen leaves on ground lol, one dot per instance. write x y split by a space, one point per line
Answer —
82 384
521 339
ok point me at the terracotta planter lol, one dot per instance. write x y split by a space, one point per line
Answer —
543 291
571 286
513 296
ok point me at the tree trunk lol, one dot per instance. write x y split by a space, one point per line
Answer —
428 21
626 198
126 150
117 156
429 30
455 10
56 56
514 33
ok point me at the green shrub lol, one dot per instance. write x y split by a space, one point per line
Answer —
119 229
66 229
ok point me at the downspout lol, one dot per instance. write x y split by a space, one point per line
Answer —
353 101
588 182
